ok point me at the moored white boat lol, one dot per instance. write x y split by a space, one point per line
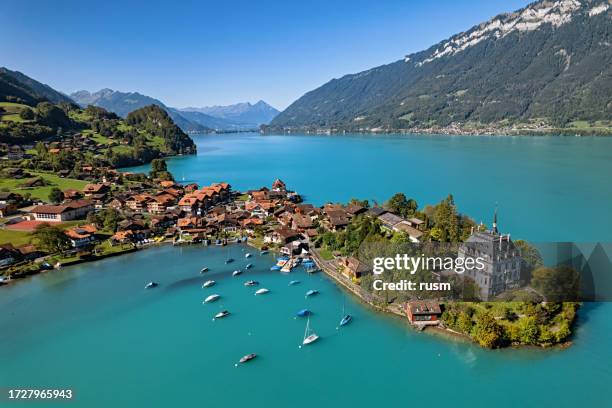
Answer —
248 266
208 283
251 283
211 298
312 292
248 357
222 314
151 285
204 269
248 255
262 291
236 272
309 337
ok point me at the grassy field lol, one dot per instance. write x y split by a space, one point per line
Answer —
17 238
11 112
42 192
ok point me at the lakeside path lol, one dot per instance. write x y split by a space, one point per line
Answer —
331 269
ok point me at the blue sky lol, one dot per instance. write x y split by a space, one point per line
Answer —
197 53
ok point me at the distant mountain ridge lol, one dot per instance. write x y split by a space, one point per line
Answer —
549 63
245 113
122 103
243 116
20 88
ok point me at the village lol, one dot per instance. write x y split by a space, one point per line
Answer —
147 211
118 212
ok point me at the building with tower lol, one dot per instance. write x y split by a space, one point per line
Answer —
501 259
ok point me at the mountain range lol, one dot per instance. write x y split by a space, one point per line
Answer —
242 116
548 64
20 88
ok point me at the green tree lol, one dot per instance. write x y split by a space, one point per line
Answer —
487 332
529 330
561 283
26 114
401 205
56 195
51 239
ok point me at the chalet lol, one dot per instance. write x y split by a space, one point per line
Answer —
422 312
376 211
190 223
336 218
10 198
227 223
117 202
71 210
7 209
159 203
404 226
416 223
29 252
8 255
162 221
353 268
390 220
95 189
355 209
33 182
281 236
138 202
301 223
82 236
72 194
131 225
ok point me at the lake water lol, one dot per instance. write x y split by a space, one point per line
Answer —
93 327
547 188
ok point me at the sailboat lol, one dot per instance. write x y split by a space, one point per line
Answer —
346 318
309 338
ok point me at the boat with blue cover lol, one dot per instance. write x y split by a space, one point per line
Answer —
303 313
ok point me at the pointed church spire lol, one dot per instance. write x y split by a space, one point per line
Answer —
495 231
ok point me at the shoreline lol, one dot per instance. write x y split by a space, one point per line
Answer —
354 290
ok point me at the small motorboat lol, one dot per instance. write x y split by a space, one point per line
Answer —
248 357
275 268
208 283
248 255
151 285
346 320
294 282
211 298
261 291
249 266
263 252
229 260
303 313
236 272
204 269
251 283
222 314
312 292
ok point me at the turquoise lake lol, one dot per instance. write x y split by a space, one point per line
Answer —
94 329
